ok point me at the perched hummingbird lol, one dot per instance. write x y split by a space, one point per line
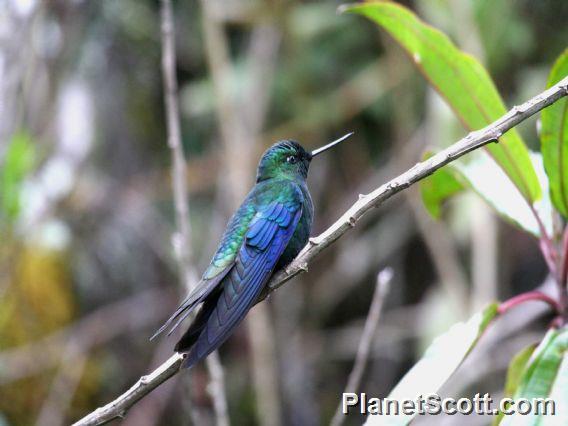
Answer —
266 233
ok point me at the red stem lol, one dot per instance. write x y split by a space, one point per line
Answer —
563 278
564 266
545 243
527 297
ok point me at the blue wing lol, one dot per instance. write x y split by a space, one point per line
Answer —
267 236
222 262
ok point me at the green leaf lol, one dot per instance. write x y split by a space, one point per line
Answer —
491 183
18 162
461 80
545 376
554 139
488 180
514 373
559 394
440 360
516 369
437 188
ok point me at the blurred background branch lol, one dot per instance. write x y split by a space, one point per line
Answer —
182 241
354 381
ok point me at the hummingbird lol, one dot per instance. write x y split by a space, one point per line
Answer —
264 235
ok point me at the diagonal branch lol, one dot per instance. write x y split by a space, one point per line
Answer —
369 330
472 141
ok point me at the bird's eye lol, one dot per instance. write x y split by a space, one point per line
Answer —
292 159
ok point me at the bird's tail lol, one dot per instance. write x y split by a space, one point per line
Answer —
180 314
220 314
202 290
190 336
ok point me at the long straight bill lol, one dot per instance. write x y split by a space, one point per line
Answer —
330 145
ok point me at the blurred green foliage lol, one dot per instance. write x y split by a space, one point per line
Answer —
554 140
18 161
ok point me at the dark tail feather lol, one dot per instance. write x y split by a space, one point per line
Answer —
201 292
184 310
190 336
188 340
218 318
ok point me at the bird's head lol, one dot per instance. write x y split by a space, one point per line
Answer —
289 159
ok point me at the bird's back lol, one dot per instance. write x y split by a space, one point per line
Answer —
266 232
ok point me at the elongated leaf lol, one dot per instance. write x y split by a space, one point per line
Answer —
461 80
554 140
559 394
545 375
440 360
514 373
489 181
516 369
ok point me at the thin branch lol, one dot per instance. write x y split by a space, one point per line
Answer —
150 411
179 173
143 387
365 203
369 330
471 142
179 169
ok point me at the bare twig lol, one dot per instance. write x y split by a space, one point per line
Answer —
149 412
179 172
369 330
316 245
179 169
143 387
471 142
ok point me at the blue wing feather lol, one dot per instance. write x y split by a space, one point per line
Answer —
266 239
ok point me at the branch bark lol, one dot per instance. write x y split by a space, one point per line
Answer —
472 141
